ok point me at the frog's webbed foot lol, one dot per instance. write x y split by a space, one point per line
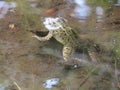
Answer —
67 51
50 34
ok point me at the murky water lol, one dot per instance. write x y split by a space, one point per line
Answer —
27 64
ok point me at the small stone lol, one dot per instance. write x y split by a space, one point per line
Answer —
11 26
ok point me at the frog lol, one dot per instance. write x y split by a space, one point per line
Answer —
63 33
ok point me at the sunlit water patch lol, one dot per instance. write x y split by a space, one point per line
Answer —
5 6
81 11
51 82
2 3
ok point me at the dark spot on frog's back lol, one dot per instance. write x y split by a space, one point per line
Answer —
40 33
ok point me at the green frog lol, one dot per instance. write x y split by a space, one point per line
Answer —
63 34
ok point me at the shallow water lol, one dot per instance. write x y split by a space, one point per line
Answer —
29 62
82 11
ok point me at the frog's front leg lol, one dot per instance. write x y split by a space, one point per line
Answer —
67 52
50 34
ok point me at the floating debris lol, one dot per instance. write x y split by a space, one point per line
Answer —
51 82
51 11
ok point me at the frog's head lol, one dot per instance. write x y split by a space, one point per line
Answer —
53 23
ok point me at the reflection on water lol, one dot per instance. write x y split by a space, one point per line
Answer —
5 6
81 10
1 87
118 1
2 3
51 82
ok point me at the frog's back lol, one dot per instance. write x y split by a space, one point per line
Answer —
66 36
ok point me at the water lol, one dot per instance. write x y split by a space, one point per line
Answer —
118 1
31 63
51 82
5 6
81 11
2 3
1 87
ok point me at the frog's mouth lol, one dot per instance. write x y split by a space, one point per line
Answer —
40 33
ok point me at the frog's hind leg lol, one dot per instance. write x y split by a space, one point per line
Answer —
67 52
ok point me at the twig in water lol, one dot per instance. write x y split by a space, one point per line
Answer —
17 85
